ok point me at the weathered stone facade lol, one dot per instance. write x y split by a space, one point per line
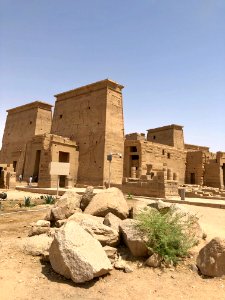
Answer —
22 124
87 126
93 117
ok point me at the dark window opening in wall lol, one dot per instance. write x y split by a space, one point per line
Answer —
31 122
168 155
64 156
133 149
89 107
154 137
163 152
134 157
60 116
14 165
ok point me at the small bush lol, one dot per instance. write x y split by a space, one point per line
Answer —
49 199
27 201
168 234
129 196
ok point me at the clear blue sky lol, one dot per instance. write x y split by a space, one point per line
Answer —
169 55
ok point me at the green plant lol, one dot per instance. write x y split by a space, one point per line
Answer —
129 196
27 201
49 199
168 234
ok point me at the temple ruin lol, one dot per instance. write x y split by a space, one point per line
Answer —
87 125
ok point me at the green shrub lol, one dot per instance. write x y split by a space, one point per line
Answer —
168 234
27 201
129 196
49 199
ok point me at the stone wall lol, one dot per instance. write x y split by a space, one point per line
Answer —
157 186
93 117
215 171
22 124
150 155
194 168
171 135
46 148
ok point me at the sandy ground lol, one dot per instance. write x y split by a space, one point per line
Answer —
24 277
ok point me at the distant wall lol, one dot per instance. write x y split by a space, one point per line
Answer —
171 135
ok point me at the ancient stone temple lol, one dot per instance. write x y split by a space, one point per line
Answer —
87 126
93 117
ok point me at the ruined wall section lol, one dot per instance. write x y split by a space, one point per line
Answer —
22 124
169 157
80 115
43 121
158 156
215 170
195 167
114 135
49 146
171 135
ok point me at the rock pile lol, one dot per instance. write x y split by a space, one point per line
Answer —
79 235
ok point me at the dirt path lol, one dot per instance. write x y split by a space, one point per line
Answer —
24 277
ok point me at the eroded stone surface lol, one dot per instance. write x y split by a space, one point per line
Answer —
211 258
110 200
75 254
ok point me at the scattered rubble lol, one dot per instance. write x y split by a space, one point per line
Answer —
82 246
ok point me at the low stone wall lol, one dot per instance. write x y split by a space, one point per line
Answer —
151 188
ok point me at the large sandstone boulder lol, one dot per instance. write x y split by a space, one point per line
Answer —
87 197
110 200
37 245
76 255
67 205
133 238
211 258
94 225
